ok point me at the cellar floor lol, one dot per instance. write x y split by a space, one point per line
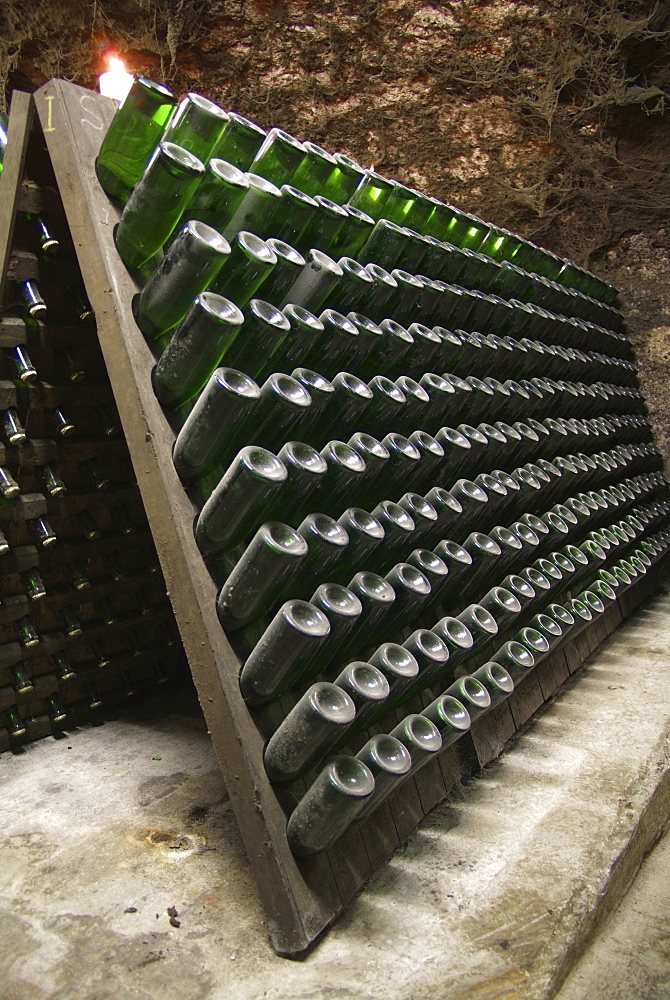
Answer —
493 899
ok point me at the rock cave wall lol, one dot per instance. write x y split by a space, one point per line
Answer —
546 116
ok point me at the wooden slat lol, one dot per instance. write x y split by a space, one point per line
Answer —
74 121
20 122
300 898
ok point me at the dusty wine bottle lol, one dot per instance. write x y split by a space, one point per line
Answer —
196 125
133 133
251 262
450 716
377 597
237 503
313 283
211 432
293 635
327 542
32 581
8 486
272 558
334 800
306 468
344 179
240 141
307 733
157 202
196 347
388 761
195 257
279 157
343 609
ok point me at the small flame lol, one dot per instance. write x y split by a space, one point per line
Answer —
116 65
372 166
117 81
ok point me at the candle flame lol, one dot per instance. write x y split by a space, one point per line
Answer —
372 166
116 65
116 81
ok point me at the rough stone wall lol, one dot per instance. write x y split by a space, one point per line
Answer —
546 116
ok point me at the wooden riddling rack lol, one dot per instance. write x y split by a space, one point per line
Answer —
127 644
300 898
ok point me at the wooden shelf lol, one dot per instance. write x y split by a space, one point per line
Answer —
300 898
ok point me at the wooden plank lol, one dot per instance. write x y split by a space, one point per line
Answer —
23 266
18 133
74 121
525 699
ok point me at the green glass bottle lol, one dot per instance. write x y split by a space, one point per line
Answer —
240 141
337 344
64 668
13 722
322 230
389 356
305 328
306 468
196 125
31 298
8 486
12 426
399 203
295 634
196 348
134 132
291 215
343 609
372 194
283 406
34 585
48 241
279 157
369 334
217 197
314 283
256 209
211 434
55 710
342 481
334 800
237 503
25 371
261 575
51 481
195 257
251 262
258 349
344 179
157 202
377 597
46 536
316 167
376 307
354 287
385 244
354 233
321 391
287 269
308 732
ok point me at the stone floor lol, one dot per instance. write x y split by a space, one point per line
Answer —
494 898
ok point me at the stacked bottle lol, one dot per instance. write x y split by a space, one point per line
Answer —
416 442
85 623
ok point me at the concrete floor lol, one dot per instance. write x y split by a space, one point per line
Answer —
630 958
493 899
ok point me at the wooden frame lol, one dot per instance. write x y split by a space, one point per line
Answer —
300 898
